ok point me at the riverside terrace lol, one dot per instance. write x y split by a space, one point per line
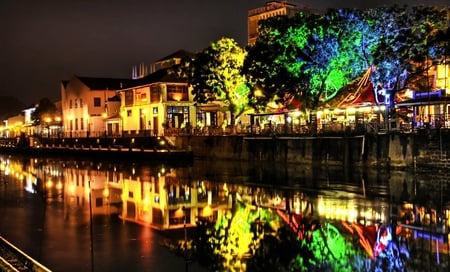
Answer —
151 148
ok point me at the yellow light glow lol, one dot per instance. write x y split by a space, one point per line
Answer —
106 192
179 213
207 211
258 93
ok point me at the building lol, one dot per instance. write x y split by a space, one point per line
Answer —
430 107
155 104
13 126
271 9
143 70
158 102
87 102
28 126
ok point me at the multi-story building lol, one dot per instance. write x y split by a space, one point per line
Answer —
271 9
142 70
156 103
87 103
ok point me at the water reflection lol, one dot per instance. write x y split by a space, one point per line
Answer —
164 197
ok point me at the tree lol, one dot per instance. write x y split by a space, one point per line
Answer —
308 57
214 74
45 109
409 39
264 66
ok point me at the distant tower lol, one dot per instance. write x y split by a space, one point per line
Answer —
271 9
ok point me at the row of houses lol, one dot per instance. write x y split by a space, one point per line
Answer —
161 104
151 104
156 102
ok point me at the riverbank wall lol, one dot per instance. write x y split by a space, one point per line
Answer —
398 150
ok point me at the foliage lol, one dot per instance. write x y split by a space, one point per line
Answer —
214 74
308 57
46 108
257 239
409 37
311 57
268 77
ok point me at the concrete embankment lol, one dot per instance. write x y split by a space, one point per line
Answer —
427 147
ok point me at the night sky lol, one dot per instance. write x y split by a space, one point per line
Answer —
43 42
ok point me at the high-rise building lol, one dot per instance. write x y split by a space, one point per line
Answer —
271 9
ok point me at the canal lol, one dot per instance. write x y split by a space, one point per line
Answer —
87 215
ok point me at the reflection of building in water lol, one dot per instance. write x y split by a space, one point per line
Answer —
162 200
104 188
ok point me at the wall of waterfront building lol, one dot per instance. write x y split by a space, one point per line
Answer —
427 147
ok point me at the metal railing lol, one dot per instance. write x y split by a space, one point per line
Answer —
13 259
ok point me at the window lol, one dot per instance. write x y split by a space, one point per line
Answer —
81 102
176 116
129 113
97 102
76 123
129 98
155 110
70 103
155 94
81 123
76 103
177 93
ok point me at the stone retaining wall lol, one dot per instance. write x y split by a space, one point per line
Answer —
388 149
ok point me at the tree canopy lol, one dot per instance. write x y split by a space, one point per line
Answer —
409 39
311 57
45 108
214 74
305 60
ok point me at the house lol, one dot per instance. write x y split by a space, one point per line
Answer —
155 104
430 107
86 104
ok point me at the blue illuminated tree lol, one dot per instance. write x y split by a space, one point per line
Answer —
309 57
409 41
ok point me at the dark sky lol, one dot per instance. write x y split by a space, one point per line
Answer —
45 41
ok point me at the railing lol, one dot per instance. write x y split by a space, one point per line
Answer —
13 259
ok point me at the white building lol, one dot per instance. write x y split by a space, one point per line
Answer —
85 105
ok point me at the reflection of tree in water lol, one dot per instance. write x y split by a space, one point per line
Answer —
257 239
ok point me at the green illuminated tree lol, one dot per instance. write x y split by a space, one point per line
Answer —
308 57
214 74
264 66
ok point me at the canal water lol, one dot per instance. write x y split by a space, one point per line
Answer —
87 215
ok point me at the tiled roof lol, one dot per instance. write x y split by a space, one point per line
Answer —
96 83
180 54
163 75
